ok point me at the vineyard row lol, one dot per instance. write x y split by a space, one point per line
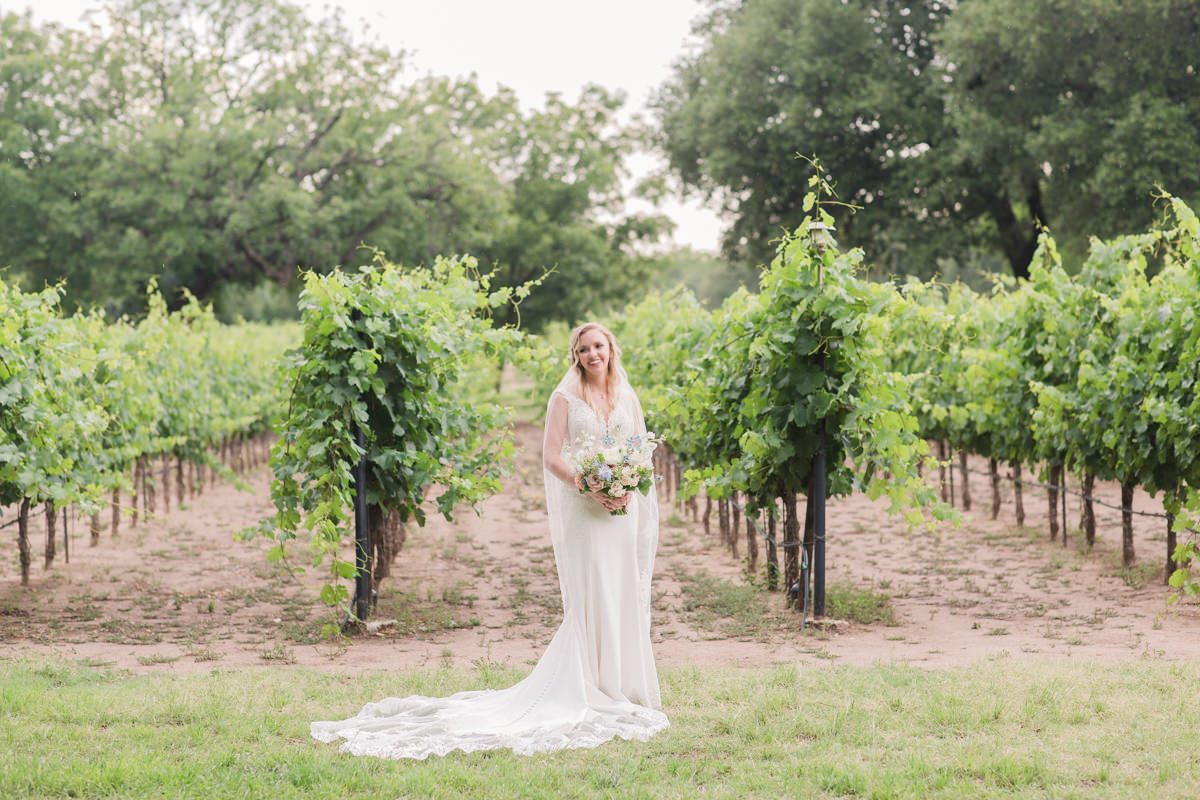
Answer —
87 403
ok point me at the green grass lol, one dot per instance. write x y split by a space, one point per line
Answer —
849 602
728 609
743 611
1009 729
998 730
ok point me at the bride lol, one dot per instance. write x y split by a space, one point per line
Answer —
597 678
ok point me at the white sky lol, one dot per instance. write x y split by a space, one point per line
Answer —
531 46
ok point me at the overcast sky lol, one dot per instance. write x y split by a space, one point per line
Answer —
532 46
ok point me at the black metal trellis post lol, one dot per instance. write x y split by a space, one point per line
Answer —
818 497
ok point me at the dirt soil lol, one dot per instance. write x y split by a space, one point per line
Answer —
178 593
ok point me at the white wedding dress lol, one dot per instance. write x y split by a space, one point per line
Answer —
597 678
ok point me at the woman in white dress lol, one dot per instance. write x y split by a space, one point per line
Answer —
597 678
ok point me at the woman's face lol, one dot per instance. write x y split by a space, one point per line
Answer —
593 353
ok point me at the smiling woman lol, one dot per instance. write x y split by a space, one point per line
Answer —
595 350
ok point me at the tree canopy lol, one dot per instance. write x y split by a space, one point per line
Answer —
959 129
239 141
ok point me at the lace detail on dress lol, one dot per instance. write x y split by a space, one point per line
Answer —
406 736
583 419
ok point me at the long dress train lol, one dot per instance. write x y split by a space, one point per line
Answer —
596 679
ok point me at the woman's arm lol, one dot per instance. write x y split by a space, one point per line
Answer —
552 441
552 445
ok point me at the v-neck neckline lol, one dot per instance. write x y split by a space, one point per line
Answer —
606 421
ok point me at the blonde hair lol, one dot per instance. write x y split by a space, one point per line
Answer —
615 372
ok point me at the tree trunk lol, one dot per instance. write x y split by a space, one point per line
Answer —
772 552
752 543
791 540
941 447
966 486
723 519
51 530
133 495
388 535
94 529
673 477
151 488
1172 540
1018 237
179 487
1056 472
678 472
165 472
735 528
147 487
994 466
23 539
666 477
707 515
1127 554
116 511
191 478
1018 496
950 470
1087 518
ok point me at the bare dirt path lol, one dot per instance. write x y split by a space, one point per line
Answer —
177 593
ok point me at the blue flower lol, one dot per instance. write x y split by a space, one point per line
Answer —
604 473
608 440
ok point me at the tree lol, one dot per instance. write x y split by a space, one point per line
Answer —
959 128
777 78
232 140
238 142
1065 115
564 169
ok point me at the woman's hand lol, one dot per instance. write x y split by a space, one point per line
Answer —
615 503
609 503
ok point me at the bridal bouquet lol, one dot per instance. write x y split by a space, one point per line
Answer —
616 464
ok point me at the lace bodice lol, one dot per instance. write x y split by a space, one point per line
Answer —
583 420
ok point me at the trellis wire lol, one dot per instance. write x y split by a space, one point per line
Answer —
1008 478
39 513
1064 488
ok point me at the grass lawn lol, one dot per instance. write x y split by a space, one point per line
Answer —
1001 729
